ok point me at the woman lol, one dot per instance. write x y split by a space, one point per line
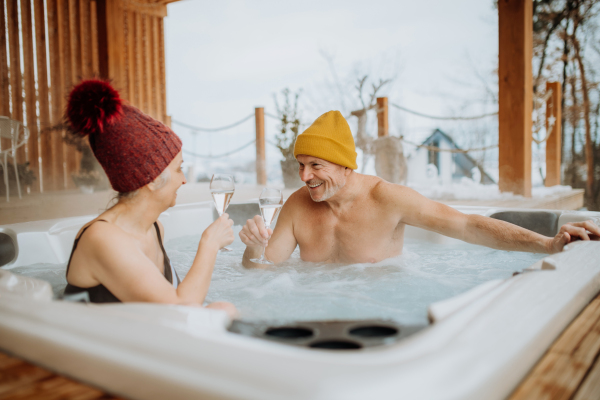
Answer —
119 256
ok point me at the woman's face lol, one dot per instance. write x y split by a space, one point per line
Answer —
177 178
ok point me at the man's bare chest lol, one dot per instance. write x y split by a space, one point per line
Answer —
361 236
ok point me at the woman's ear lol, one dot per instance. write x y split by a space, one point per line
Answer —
152 186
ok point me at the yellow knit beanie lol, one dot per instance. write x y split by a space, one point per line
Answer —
330 139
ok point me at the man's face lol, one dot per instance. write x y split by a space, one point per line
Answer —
323 178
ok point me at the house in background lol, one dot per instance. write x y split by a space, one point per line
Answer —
449 167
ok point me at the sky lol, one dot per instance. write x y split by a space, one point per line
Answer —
225 58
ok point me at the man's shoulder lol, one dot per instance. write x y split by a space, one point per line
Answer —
300 196
299 203
382 190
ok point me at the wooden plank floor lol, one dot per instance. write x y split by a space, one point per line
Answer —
570 369
21 380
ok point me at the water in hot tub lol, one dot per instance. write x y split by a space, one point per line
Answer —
399 288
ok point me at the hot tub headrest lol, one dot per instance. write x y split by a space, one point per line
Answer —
8 249
240 213
542 222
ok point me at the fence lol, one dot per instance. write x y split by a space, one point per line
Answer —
62 41
551 100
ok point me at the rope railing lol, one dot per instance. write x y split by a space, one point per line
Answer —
272 116
437 149
538 102
443 118
222 128
209 156
272 143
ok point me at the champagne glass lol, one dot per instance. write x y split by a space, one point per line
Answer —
270 203
222 187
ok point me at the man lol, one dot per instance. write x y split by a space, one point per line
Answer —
341 216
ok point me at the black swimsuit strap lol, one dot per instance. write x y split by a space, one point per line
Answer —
76 242
166 262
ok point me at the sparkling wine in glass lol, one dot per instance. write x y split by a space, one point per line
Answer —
222 187
270 203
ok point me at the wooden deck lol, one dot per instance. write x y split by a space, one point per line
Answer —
570 369
21 380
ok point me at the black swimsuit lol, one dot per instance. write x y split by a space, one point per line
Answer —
100 294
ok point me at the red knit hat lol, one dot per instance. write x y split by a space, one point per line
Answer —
132 147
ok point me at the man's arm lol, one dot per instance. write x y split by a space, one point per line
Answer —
422 212
281 244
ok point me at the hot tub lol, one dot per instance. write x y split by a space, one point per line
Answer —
480 343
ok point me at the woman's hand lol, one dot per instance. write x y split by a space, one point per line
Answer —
220 233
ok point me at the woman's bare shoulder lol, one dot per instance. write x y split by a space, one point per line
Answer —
101 234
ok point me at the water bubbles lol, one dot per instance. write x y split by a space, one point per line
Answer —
398 288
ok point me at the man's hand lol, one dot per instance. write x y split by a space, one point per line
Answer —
254 234
586 230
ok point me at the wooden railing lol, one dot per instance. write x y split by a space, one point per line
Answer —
64 41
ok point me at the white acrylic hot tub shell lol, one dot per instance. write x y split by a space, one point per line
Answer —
150 351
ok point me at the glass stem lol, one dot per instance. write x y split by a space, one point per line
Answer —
262 256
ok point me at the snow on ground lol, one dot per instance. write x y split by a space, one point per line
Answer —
469 190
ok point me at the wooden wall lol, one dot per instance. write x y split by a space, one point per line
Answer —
47 46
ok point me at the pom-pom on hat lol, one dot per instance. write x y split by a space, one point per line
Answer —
132 147
328 138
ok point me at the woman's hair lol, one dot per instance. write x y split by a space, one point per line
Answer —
160 182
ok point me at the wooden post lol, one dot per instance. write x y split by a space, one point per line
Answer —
16 87
383 128
86 38
75 39
94 38
261 162
158 109
30 92
56 91
111 42
553 144
69 73
147 70
162 73
46 178
4 79
130 50
139 62
515 22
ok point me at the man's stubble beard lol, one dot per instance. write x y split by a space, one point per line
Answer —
329 192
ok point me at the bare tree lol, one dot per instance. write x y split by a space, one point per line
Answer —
564 33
